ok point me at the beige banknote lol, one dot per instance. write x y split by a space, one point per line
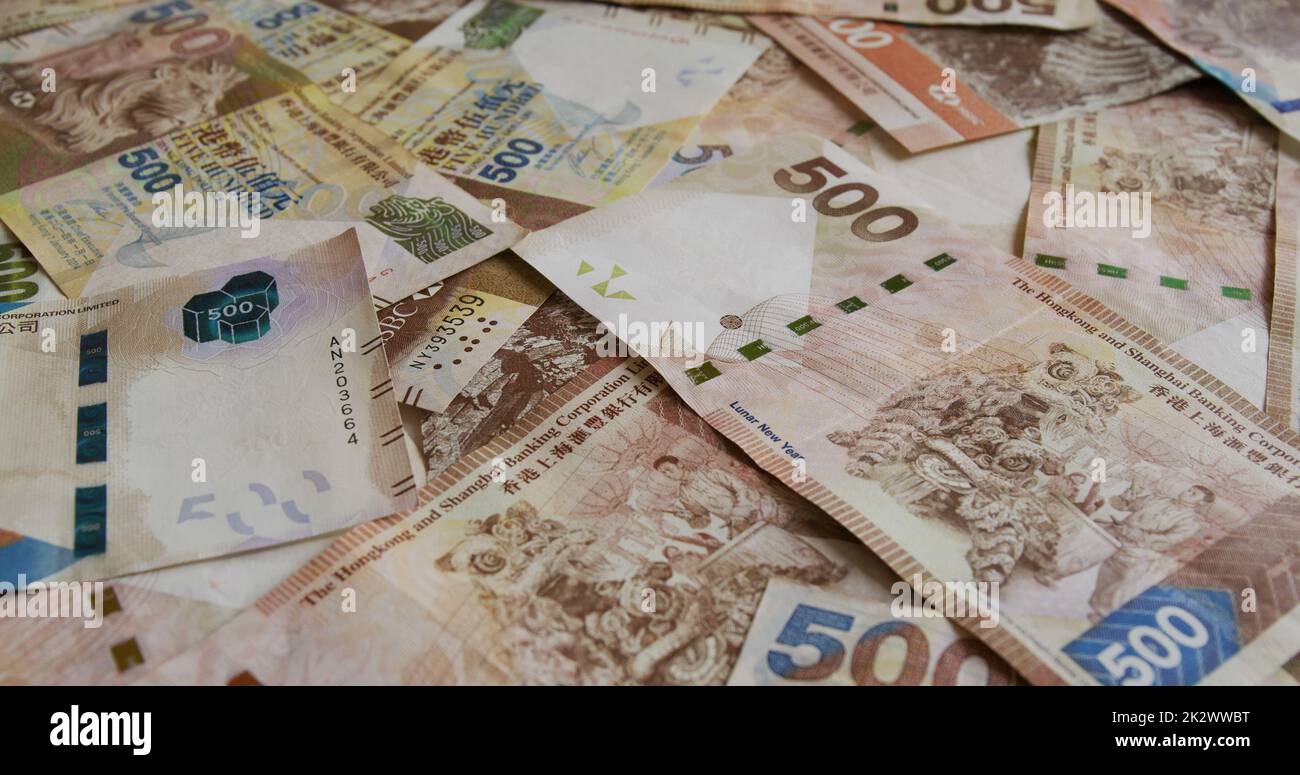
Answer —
1283 396
318 171
804 636
966 414
571 100
134 74
438 339
137 621
335 50
1163 211
196 416
1052 14
931 87
611 537
1252 48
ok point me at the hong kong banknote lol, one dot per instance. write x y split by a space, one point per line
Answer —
141 620
1252 48
169 421
539 96
317 171
1163 211
804 635
610 537
136 73
1052 14
1283 396
968 415
931 87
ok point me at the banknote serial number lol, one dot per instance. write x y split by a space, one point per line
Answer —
344 394
815 172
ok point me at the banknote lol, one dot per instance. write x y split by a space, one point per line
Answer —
1052 14
1283 395
802 635
538 96
169 421
144 619
1252 48
143 71
611 537
935 86
1163 211
412 19
22 281
439 338
332 49
968 415
318 171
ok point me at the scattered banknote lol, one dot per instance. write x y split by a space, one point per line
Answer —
1251 48
137 73
931 87
966 414
538 96
1163 211
611 537
1283 395
1052 14
144 619
805 635
318 171
438 339
196 416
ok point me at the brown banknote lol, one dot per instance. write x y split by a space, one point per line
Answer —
1253 48
612 537
935 86
137 73
1163 211
969 416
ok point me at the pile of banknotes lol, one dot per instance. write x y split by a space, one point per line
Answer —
874 342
